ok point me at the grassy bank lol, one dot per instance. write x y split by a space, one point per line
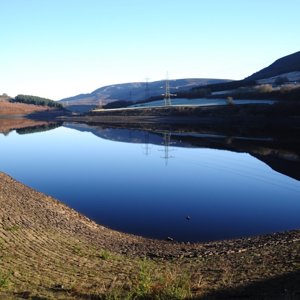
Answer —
49 251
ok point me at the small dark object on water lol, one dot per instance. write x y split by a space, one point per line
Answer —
188 218
170 238
58 287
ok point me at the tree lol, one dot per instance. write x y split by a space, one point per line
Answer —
28 99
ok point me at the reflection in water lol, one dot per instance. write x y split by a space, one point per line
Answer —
39 128
280 152
109 175
167 142
147 147
25 126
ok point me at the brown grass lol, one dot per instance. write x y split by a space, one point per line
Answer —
8 108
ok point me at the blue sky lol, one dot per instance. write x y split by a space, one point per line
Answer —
60 48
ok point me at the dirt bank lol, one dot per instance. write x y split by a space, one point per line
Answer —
51 251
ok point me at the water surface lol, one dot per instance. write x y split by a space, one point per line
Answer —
189 186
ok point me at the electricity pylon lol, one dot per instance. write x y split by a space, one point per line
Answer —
168 93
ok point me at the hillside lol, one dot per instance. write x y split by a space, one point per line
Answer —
136 91
10 108
286 64
279 81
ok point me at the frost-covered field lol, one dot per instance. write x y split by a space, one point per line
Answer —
291 77
200 102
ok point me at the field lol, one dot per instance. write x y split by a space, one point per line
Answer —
200 102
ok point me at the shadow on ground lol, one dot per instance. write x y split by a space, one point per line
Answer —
286 287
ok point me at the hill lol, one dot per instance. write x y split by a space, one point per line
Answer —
283 70
280 81
135 91
284 65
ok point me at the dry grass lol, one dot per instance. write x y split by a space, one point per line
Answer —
8 108
52 265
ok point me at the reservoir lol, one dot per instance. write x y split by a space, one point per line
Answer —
190 185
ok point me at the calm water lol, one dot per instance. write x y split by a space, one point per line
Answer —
148 183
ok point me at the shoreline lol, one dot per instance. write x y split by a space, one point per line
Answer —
272 117
143 246
47 247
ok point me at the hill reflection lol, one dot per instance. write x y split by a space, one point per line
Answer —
279 150
26 126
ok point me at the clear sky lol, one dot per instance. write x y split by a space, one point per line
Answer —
60 48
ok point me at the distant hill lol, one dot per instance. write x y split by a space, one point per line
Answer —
283 70
136 91
286 64
280 81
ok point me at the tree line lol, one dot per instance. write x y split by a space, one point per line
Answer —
28 99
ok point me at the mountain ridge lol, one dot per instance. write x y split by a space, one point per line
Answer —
286 64
136 91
